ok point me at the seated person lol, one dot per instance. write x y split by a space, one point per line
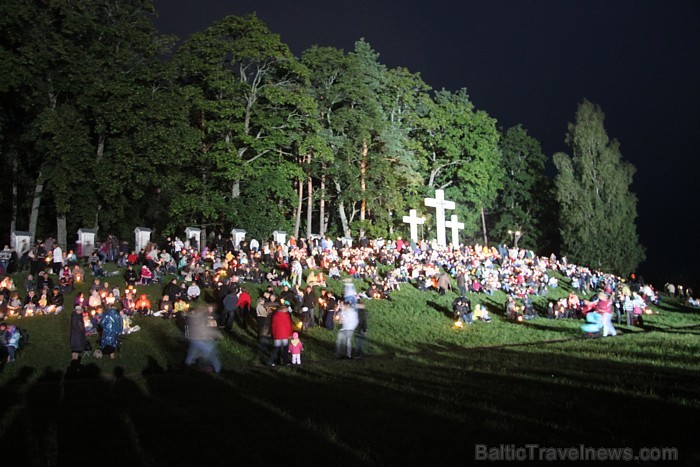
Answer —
128 303
146 275
10 339
165 307
130 275
193 291
180 306
334 272
481 313
3 307
78 273
55 302
94 301
7 286
143 305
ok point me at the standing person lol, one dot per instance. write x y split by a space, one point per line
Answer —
243 307
296 348
78 341
5 257
308 307
361 333
230 302
202 340
297 272
604 307
348 323
111 328
57 259
281 328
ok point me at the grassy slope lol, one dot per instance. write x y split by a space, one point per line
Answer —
426 394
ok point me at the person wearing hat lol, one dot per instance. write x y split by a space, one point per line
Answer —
296 348
78 341
281 329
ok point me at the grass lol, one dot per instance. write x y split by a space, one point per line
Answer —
426 393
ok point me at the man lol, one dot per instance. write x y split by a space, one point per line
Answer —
202 340
193 291
5 257
55 305
230 302
243 307
349 320
604 307
308 307
281 329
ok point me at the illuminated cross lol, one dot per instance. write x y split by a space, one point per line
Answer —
440 204
455 226
414 221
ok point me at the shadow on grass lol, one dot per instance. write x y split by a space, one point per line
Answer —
408 409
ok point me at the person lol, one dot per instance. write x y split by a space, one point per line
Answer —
308 305
361 333
55 302
296 348
230 302
5 257
78 341
111 329
243 307
349 292
604 307
348 323
143 305
193 291
130 276
202 339
261 317
12 338
462 309
444 283
281 329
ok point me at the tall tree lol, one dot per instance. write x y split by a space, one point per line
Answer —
526 191
597 208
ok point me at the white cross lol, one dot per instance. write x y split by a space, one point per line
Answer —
440 205
455 226
414 220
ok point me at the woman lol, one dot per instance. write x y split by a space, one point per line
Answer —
78 341
111 328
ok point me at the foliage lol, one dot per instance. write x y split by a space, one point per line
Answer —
598 211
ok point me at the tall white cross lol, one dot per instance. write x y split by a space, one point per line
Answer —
414 221
440 204
455 226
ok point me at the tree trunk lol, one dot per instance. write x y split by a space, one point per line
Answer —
297 223
36 202
61 235
322 205
341 212
363 186
483 226
309 199
13 220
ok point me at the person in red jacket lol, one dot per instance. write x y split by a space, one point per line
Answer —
243 307
604 307
281 329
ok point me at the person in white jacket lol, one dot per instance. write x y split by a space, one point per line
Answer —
349 320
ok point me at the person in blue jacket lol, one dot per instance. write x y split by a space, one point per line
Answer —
111 329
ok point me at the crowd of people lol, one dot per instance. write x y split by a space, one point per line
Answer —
295 273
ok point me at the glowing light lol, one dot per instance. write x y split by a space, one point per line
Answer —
520 319
459 324
300 324
78 278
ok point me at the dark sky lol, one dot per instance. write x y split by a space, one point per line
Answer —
533 62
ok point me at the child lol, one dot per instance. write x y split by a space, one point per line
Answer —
296 348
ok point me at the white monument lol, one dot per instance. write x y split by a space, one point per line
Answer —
238 236
440 204
196 233
17 238
414 221
142 236
86 240
279 237
456 227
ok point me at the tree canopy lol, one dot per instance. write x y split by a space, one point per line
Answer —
106 123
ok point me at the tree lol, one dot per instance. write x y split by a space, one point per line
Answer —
597 208
526 192
460 154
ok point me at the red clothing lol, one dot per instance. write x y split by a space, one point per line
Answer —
281 325
604 306
295 346
244 300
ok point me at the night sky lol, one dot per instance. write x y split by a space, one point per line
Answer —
533 62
